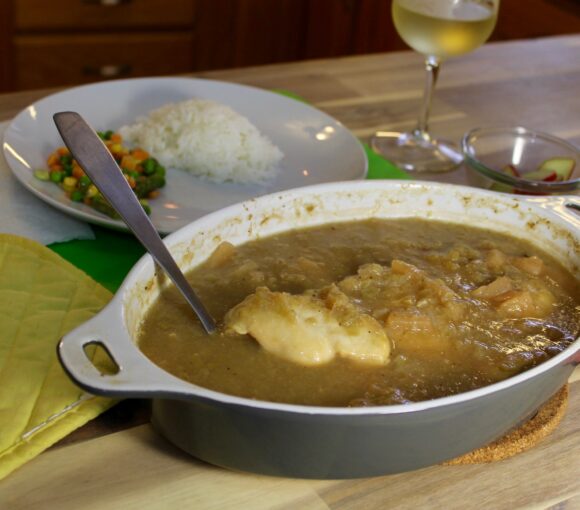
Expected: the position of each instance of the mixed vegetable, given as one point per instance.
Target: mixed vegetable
(143, 173)
(551, 170)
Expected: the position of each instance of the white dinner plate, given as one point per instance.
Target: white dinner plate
(316, 147)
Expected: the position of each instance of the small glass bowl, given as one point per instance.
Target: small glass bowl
(488, 151)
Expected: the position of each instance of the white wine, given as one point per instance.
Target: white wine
(443, 28)
(438, 29)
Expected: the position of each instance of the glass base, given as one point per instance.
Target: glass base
(417, 152)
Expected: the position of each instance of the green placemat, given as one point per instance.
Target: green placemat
(109, 257)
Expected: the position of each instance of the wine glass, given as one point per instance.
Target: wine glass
(438, 29)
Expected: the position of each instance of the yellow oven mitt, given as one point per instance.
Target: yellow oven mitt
(42, 297)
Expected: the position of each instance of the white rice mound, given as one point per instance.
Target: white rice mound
(206, 139)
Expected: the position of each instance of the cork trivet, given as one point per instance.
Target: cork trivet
(521, 438)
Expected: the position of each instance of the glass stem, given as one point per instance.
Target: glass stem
(432, 68)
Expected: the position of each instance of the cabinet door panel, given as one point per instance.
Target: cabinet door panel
(236, 33)
(45, 61)
(346, 27)
(101, 14)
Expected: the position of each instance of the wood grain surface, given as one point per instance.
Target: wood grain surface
(119, 462)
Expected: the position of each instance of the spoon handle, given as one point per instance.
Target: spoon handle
(96, 160)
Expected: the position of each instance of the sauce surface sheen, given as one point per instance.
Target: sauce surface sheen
(485, 333)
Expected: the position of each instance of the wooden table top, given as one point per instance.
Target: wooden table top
(119, 462)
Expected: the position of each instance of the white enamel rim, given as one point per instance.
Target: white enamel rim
(112, 316)
(317, 147)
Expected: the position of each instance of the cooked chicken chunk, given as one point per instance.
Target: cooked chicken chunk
(312, 328)
(531, 299)
(532, 265)
(495, 290)
(404, 286)
(221, 255)
(414, 333)
(496, 259)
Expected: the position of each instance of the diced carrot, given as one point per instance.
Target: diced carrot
(140, 154)
(77, 172)
(116, 138)
(131, 181)
(87, 201)
(56, 168)
(128, 163)
(153, 194)
(62, 151)
(53, 158)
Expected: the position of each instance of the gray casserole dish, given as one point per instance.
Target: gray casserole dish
(321, 442)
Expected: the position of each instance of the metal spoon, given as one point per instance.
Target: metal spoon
(96, 160)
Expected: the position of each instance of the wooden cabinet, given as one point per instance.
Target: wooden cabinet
(346, 27)
(51, 60)
(46, 43)
(237, 33)
(76, 15)
(68, 42)
(536, 18)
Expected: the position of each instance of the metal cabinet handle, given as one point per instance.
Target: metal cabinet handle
(106, 3)
(108, 71)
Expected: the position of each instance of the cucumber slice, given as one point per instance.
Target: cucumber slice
(546, 175)
(42, 175)
(562, 166)
(500, 186)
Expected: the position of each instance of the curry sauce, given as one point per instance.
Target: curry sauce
(461, 308)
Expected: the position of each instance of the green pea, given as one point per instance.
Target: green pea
(77, 196)
(105, 135)
(85, 181)
(57, 176)
(149, 166)
(66, 159)
(145, 205)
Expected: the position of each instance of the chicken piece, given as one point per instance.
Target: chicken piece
(496, 259)
(309, 266)
(532, 299)
(532, 265)
(404, 268)
(494, 290)
(402, 285)
(221, 255)
(415, 333)
(310, 329)
(543, 298)
(516, 303)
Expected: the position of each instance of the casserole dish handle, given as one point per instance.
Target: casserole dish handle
(129, 372)
(573, 204)
(566, 206)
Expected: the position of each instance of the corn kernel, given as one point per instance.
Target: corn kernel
(69, 183)
(91, 191)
